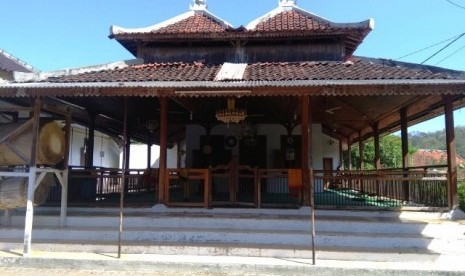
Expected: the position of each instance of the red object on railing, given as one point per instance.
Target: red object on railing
(294, 182)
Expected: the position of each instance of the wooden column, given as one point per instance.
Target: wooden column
(341, 159)
(163, 149)
(404, 139)
(123, 174)
(349, 152)
(149, 151)
(360, 151)
(90, 142)
(404, 136)
(305, 101)
(32, 180)
(451, 153)
(127, 148)
(377, 161)
(64, 185)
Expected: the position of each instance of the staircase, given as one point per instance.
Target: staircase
(340, 235)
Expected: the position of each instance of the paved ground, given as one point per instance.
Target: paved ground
(63, 263)
(9, 271)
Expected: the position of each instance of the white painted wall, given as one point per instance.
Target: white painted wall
(106, 150)
(138, 157)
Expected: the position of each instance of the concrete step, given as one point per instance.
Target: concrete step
(237, 231)
(323, 224)
(220, 235)
(229, 249)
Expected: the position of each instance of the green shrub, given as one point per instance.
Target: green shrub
(462, 196)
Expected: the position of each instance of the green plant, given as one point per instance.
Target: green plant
(462, 196)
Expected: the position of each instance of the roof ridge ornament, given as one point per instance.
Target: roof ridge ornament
(287, 3)
(199, 5)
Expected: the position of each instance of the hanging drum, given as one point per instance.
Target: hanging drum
(16, 150)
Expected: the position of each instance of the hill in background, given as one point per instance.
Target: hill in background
(437, 140)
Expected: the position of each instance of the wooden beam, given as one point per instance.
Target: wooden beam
(163, 150)
(20, 130)
(451, 152)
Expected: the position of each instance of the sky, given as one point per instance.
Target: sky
(56, 34)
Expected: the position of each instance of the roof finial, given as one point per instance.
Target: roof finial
(199, 5)
(287, 3)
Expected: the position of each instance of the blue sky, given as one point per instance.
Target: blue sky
(57, 34)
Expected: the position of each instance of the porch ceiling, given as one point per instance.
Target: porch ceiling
(342, 117)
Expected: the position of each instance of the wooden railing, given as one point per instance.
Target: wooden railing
(187, 187)
(389, 188)
(102, 187)
(246, 186)
(234, 185)
(274, 189)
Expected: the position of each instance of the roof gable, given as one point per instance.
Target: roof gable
(289, 17)
(11, 64)
(198, 20)
(197, 23)
(290, 21)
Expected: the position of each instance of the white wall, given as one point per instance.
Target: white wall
(106, 150)
(138, 156)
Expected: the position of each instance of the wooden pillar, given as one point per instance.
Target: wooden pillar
(349, 152)
(90, 142)
(163, 149)
(377, 161)
(305, 148)
(127, 148)
(341, 159)
(64, 185)
(32, 180)
(451, 152)
(123, 174)
(149, 151)
(360, 151)
(404, 139)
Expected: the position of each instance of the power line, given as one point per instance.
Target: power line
(426, 48)
(455, 4)
(443, 48)
(460, 49)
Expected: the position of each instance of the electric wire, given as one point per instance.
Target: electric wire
(443, 48)
(426, 48)
(455, 4)
(455, 52)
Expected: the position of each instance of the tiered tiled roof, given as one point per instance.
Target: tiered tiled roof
(291, 21)
(286, 71)
(197, 23)
(146, 72)
(288, 20)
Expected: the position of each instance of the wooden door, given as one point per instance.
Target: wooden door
(328, 171)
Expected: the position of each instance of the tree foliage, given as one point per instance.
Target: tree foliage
(390, 150)
(391, 147)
